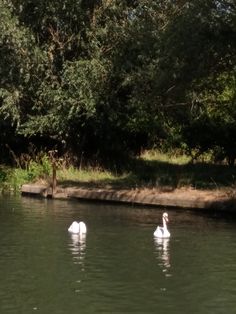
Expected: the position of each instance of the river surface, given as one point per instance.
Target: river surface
(118, 267)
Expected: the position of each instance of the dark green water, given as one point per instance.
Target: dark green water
(118, 268)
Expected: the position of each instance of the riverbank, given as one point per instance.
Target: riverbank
(220, 200)
(153, 179)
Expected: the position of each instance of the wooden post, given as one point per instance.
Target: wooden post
(54, 177)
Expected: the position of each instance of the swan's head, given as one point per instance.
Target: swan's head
(165, 216)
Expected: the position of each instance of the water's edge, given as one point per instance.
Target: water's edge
(184, 199)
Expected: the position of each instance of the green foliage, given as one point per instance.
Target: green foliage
(106, 79)
(16, 178)
(3, 176)
(38, 169)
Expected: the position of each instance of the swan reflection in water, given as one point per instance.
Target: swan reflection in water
(162, 247)
(77, 247)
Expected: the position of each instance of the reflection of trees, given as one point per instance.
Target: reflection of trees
(162, 247)
(77, 247)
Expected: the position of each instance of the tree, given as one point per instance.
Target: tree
(104, 78)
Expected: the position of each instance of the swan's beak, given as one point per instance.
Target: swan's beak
(166, 218)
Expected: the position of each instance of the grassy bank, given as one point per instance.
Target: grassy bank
(152, 170)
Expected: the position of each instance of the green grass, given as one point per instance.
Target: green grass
(155, 170)
(89, 176)
(11, 179)
(173, 157)
(151, 170)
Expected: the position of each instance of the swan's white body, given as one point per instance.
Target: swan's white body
(78, 227)
(162, 232)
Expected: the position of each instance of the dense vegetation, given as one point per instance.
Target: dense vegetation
(101, 79)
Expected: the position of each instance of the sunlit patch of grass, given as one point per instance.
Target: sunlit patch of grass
(96, 177)
(174, 157)
(84, 175)
(87, 175)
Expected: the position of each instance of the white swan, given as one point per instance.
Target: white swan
(78, 227)
(162, 232)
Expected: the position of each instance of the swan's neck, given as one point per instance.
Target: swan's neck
(164, 223)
